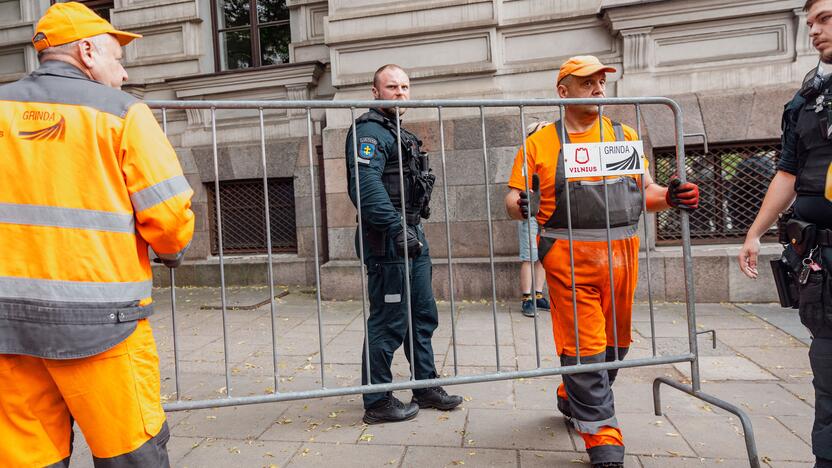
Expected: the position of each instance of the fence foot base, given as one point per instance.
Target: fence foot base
(750, 444)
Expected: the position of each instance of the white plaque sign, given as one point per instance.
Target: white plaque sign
(611, 158)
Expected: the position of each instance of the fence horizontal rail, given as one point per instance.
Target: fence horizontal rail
(182, 405)
(428, 103)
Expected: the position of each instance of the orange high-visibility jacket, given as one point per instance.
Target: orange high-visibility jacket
(88, 180)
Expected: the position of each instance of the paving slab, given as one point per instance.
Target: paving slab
(238, 422)
(784, 319)
(672, 329)
(712, 368)
(684, 462)
(232, 452)
(334, 420)
(762, 398)
(347, 456)
(647, 434)
(800, 426)
(516, 429)
(429, 428)
(777, 356)
(443, 457)
(722, 437)
(496, 395)
(804, 392)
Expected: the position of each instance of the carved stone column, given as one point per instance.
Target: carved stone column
(802, 43)
(638, 49)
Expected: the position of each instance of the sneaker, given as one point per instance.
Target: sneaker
(541, 302)
(436, 397)
(390, 410)
(527, 308)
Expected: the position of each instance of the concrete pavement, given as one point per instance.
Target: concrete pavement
(757, 364)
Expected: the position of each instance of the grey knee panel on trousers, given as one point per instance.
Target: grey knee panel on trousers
(153, 453)
(590, 397)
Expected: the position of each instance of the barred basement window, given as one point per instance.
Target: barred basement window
(732, 178)
(244, 217)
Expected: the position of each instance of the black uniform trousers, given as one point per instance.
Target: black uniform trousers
(820, 359)
(388, 326)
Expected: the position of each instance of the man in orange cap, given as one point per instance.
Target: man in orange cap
(89, 181)
(586, 398)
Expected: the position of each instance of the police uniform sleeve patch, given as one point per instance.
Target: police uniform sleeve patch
(366, 149)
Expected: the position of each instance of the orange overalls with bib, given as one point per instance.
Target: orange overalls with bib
(586, 398)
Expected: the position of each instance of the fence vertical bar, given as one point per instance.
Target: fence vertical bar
(609, 239)
(310, 150)
(361, 245)
(268, 245)
(219, 245)
(647, 241)
(531, 238)
(172, 291)
(490, 237)
(448, 236)
(696, 383)
(563, 140)
(406, 259)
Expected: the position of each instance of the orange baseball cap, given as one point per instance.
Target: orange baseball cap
(67, 22)
(583, 65)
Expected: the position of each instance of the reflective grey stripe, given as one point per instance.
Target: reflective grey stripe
(37, 215)
(616, 233)
(392, 298)
(592, 427)
(73, 291)
(155, 194)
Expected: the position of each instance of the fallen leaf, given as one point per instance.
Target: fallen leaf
(366, 437)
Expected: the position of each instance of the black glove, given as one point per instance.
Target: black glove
(682, 196)
(414, 247)
(523, 203)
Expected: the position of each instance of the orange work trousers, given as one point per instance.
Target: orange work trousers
(114, 397)
(596, 329)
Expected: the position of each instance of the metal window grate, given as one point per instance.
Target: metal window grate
(244, 219)
(733, 180)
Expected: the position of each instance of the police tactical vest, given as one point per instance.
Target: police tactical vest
(815, 150)
(418, 182)
(586, 200)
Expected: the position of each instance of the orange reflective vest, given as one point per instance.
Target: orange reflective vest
(88, 181)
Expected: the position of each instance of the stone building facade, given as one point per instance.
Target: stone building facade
(730, 65)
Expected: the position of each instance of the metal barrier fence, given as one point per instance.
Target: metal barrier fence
(692, 356)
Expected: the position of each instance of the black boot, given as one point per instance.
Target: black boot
(609, 465)
(435, 397)
(390, 410)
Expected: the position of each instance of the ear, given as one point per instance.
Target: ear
(375, 92)
(85, 52)
(562, 91)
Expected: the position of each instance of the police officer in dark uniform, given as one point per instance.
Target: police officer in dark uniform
(800, 183)
(386, 243)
